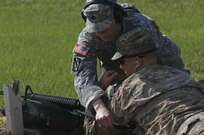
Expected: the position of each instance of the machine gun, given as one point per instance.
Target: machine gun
(66, 103)
(70, 104)
(41, 113)
(45, 111)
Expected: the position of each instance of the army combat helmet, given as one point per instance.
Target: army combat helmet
(99, 14)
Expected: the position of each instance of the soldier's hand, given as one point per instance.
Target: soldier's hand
(107, 79)
(103, 115)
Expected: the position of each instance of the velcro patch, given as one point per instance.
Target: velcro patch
(76, 64)
(81, 49)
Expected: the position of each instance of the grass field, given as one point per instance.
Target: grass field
(37, 37)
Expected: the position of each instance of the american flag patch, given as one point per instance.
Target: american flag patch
(81, 49)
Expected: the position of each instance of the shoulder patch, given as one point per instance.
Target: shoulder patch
(80, 49)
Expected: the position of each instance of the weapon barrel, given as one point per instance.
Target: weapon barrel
(67, 103)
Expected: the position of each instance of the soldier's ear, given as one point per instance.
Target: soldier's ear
(138, 62)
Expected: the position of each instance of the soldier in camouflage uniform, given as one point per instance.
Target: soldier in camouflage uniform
(157, 99)
(105, 21)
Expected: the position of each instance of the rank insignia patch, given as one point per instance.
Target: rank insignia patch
(81, 49)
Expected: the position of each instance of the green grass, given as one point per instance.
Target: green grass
(36, 40)
(37, 37)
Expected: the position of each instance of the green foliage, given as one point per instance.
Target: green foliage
(37, 38)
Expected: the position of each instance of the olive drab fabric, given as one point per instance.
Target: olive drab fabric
(201, 82)
(46, 118)
(161, 100)
(136, 39)
(84, 67)
(46, 114)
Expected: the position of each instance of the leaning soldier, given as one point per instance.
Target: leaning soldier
(105, 21)
(156, 99)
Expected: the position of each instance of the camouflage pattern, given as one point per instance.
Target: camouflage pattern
(194, 125)
(84, 68)
(136, 39)
(160, 100)
(99, 17)
(93, 128)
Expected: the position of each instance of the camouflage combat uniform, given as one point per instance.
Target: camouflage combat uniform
(160, 100)
(84, 65)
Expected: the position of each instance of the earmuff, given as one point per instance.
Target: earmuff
(118, 10)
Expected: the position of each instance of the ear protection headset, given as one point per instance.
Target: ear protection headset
(118, 10)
